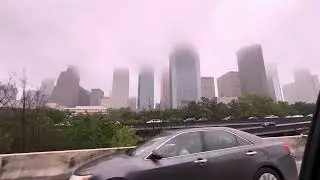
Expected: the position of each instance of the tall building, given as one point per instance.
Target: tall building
(252, 72)
(33, 99)
(229, 85)
(305, 87)
(185, 81)
(133, 103)
(165, 91)
(273, 82)
(289, 93)
(66, 91)
(83, 97)
(146, 89)
(47, 87)
(207, 87)
(120, 88)
(316, 83)
(96, 96)
(106, 102)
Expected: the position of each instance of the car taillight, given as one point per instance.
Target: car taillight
(287, 148)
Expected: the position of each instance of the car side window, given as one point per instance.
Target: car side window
(218, 139)
(183, 144)
(242, 142)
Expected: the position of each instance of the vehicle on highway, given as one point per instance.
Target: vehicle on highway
(309, 115)
(227, 118)
(217, 153)
(271, 117)
(297, 116)
(268, 124)
(202, 119)
(252, 117)
(294, 116)
(190, 120)
(154, 121)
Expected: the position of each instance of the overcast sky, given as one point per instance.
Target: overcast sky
(45, 36)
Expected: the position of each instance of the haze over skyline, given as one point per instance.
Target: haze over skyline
(44, 37)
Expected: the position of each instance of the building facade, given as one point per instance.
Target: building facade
(229, 85)
(106, 102)
(316, 83)
(165, 91)
(252, 71)
(47, 87)
(120, 88)
(133, 103)
(207, 87)
(66, 91)
(95, 97)
(146, 89)
(289, 93)
(273, 82)
(185, 81)
(305, 86)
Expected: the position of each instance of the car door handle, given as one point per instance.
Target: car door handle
(200, 161)
(251, 153)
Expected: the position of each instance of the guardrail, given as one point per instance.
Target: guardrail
(260, 131)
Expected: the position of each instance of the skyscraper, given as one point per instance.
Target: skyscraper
(165, 91)
(96, 96)
(252, 72)
(207, 87)
(305, 87)
(83, 97)
(229, 85)
(120, 88)
(185, 82)
(316, 83)
(289, 93)
(106, 102)
(273, 82)
(66, 91)
(47, 87)
(146, 89)
(133, 103)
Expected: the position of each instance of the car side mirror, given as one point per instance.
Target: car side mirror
(155, 156)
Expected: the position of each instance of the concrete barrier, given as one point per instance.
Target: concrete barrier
(59, 164)
(48, 165)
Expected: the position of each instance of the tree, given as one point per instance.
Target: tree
(304, 108)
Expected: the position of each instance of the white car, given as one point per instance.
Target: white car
(227, 118)
(154, 121)
(309, 115)
(252, 117)
(271, 117)
(288, 116)
(297, 116)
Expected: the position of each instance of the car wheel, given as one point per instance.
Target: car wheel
(267, 174)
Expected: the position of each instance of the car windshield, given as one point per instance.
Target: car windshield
(96, 76)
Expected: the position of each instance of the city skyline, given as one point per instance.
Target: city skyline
(85, 93)
(114, 34)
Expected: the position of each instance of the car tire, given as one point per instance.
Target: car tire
(267, 174)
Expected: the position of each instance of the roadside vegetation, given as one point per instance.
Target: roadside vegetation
(37, 128)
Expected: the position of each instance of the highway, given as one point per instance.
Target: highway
(282, 127)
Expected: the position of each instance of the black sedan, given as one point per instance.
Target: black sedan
(216, 153)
